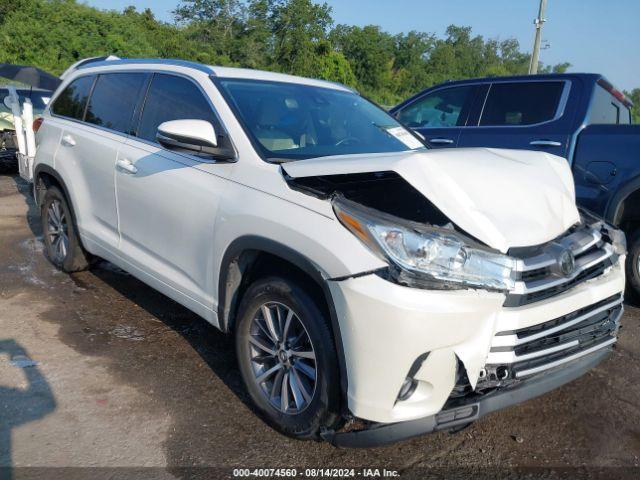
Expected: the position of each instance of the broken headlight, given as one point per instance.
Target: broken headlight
(426, 256)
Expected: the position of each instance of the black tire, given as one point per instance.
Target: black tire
(632, 270)
(75, 257)
(321, 410)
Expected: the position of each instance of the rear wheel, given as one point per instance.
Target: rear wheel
(61, 240)
(287, 358)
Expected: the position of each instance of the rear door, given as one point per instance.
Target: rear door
(438, 114)
(89, 148)
(528, 115)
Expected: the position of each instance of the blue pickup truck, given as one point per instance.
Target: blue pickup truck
(581, 117)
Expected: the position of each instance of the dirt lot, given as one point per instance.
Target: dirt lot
(127, 378)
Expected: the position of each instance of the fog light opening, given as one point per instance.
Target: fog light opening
(408, 387)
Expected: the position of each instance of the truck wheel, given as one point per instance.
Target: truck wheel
(633, 266)
(287, 358)
(61, 240)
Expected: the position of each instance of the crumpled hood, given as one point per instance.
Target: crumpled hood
(504, 198)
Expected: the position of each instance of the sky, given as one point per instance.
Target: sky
(593, 35)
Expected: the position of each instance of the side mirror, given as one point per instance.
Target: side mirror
(194, 136)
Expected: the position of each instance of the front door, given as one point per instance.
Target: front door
(168, 201)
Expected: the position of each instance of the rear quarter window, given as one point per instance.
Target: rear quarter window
(72, 101)
(607, 110)
(521, 103)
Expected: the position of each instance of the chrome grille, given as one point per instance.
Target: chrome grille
(539, 273)
(524, 352)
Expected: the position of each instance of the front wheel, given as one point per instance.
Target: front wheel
(287, 358)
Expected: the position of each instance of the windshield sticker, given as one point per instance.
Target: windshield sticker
(405, 137)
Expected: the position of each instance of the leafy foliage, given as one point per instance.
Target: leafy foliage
(634, 95)
(292, 36)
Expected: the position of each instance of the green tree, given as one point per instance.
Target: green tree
(291, 36)
(369, 50)
(299, 29)
(634, 96)
(331, 65)
(216, 23)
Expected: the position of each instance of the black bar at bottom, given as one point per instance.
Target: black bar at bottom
(383, 434)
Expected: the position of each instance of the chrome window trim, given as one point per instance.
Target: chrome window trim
(443, 87)
(562, 104)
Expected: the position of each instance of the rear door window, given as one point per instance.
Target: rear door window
(114, 99)
(521, 103)
(172, 98)
(442, 108)
(72, 101)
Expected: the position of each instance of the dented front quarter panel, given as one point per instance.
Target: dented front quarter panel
(385, 327)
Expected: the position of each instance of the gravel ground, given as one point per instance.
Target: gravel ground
(99, 370)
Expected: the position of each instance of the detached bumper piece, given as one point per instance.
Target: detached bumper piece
(467, 410)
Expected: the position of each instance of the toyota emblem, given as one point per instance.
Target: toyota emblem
(567, 262)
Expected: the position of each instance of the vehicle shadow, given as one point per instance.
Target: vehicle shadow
(33, 214)
(20, 405)
(215, 348)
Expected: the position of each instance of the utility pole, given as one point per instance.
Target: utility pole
(538, 22)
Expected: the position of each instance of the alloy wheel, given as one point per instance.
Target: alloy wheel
(57, 231)
(282, 358)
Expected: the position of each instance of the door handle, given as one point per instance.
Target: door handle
(545, 143)
(441, 140)
(126, 165)
(68, 141)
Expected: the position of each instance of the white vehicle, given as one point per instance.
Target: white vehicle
(364, 276)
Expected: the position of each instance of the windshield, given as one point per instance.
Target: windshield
(288, 121)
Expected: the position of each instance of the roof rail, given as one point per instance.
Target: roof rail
(87, 61)
(153, 61)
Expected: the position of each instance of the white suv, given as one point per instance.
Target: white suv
(376, 290)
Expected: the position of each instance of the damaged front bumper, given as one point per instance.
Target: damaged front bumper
(464, 412)
(452, 343)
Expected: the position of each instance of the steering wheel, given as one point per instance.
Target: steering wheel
(347, 140)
